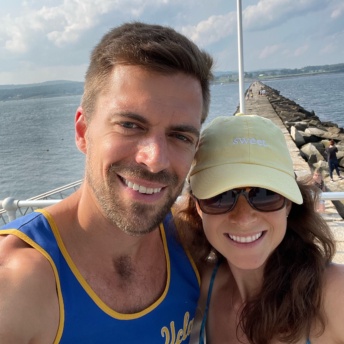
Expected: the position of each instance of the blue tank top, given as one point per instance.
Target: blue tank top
(84, 318)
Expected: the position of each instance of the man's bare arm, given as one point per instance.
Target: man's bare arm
(28, 301)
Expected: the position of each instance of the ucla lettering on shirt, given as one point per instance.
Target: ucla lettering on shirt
(173, 337)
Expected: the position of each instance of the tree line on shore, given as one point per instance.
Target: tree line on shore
(226, 77)
(42, 90)
(60, 88)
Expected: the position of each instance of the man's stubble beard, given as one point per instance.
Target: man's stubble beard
(136, 218)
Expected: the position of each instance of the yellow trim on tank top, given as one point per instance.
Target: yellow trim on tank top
(30, 242)
(90, 291)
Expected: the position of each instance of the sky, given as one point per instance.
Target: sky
(44, 40)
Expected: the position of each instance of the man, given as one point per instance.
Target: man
(105, 265)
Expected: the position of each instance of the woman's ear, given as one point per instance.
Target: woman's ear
(288, 207)
(199, 211)
(80, 130)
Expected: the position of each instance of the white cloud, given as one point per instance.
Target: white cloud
(301, 50)
(332, 45)
(268, 51)
(40, 37)
(212, 29)
(269, 13)
(72, 18)
(63, 23)
(328, 49)
(338, 11)
(16, 44)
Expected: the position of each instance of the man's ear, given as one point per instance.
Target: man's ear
(80, 130)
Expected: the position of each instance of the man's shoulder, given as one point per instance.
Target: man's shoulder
(22, 268)
(27, 285)
(30, 219)
(17, 251)
(17, 254)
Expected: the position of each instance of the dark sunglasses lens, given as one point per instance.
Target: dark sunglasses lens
(266, 200)
(218, 204)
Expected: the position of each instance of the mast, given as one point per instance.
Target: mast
(240, 59)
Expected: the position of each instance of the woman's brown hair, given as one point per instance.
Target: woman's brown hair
(290, 300)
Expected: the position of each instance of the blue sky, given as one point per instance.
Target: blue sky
(42, 40)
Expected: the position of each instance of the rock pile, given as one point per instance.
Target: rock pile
(311, 136)
(309, 133)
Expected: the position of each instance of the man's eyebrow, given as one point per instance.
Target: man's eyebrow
(184, 128)
(133, 116)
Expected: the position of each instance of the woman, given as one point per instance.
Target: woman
(332, 160)
(273, 280)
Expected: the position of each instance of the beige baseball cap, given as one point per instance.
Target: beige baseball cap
(239, 151)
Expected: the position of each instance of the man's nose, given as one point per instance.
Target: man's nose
(153, 154)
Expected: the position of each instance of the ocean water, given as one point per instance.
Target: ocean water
(37, 148)
(322, 93)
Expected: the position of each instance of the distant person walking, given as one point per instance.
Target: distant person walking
(332, 160)
(318, 181)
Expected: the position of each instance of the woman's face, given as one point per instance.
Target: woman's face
(244, 236)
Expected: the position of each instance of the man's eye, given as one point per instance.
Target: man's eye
(129, 125)
(183, 137)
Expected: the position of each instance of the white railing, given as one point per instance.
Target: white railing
(332, 196)
(11, 205)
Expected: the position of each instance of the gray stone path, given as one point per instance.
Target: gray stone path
(260, 105)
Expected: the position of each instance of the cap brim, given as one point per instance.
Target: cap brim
(213, 181)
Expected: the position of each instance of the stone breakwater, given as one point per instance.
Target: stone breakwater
(310, 135)
(286, 114)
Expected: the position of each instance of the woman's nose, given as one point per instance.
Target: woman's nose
(242, 211)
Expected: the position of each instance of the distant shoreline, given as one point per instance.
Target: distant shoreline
(43, 90)
(299, 75)
(63, 88)
(276, 77)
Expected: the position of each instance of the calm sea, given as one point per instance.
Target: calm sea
(37, 146)
(322, 93)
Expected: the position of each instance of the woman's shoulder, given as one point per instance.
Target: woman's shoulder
(333, 273)
(334, 278)
(334, 299)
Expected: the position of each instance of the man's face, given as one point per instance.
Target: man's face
(140, 143)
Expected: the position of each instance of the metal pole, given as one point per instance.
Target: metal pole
(240, 59)
(11, 205)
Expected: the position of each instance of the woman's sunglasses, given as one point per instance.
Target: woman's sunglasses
(258, 198)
